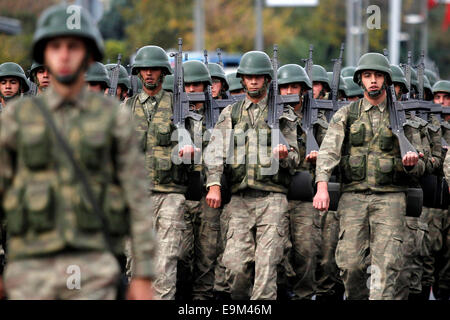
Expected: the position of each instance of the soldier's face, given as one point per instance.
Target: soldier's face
(253, 82)
(43, 77)
(372, 80)
(216, 87)
(290, 88)
(442, 98)
(397, 88)
(95, 87)
(9, 86)
(317, 88)
(64, 56)
(191, 87)
(150, 75)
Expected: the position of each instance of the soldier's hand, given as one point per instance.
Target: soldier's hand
(410, 159)
(188, 152)
(281, 152)
(214, 198)
(140, 289)
(312, 156)
(321, 200)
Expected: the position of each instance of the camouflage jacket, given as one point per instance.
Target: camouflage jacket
(154, 126)
(447, 168)
(370, 158)
(251, 150)
(45, 205)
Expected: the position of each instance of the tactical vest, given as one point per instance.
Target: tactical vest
(370, 160)
(155, 129)
(243, 173)
(46, 206)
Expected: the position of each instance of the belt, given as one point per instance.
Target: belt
(253, 193)
(366, 192)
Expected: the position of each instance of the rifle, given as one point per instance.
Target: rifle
(420, 74)
(181, 103)
(219, 56)
(336, 79)
(33, 89)
(114, 74)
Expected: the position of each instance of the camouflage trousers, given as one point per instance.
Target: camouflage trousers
(414, 248)
(305, 236)
(220, 281)
(434, 219)
(171, 228)
(255, 243)
(68, 275)
(329, 282)
(371, 233)
(441, 288)
(206, 251)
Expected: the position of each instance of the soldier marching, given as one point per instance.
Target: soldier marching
(202, 185)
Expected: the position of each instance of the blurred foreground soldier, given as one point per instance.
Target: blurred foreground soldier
(373, 201)
(235, 84)
(97, 78)
(304, 220)
(321, 83)
(58, 246)
(123, 85)
(256, 237)
(219, 81)
(153, 111)
(13, 82)
(40, 76)
(353, 91)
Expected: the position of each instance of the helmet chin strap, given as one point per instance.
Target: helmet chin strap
(71, 78)
(257, 93)
(152, 86)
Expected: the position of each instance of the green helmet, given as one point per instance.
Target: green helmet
(11, 69)
(168, 83)
(431, 76)
(342, 85)
(441, 86)
(348, 71)
(352, 89)
(255, 63)
(56, 21)
(151, 56)
(414, 81)
(97, 73)
(196, 71)
(319, 74)
(399, 77)
(427, 86)
(216, 70)
(373, 61)
(35, 66)
(291, 73)
(123, 75)
(234, 82)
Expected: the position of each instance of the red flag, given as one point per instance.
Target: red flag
(432, 4)
(446, 21)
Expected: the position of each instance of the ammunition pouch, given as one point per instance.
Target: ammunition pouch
(414, 202)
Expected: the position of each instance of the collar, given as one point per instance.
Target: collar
(143, 96)
(367, 105)
(55, 100)
(261, 104)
